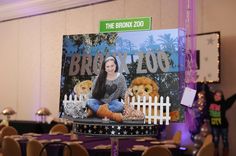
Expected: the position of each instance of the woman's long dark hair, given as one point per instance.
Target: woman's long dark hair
(100, 85)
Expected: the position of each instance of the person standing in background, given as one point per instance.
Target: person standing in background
(217, 107)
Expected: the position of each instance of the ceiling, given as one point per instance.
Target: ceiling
(15, 9)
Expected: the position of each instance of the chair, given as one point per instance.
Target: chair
(59, 145)
(157, 151)
(76, 149)
(177, 137)
(34, 147)
(207, 150)
(59, 128)
(10, 147)
(207, 140)
(2, 126)
(7, 131)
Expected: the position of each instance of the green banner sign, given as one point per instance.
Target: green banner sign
(127, 24)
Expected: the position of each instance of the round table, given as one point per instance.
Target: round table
(114, 130)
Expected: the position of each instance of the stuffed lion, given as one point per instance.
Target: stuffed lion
(139, 87)
(78, 109)
(144, 87)
(83, 87)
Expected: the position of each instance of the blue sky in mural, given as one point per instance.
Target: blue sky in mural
(128, 42)
(138, 38)
(86, 47)
(69, 46)
(146, 41)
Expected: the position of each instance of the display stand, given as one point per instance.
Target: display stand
(113, 130)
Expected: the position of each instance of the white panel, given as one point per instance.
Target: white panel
(53, 28)
(29, 68)
(106, 11)
(169, 14)
(79, 21)
(209, 57)
(8, 64)
(141, 8)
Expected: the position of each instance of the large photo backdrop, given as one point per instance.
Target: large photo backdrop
(153, 54)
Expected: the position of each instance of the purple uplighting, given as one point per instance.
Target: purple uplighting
(187, 46)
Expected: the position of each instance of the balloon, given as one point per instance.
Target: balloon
(198, 138)
(197, 145)
(194, 152)
(205, 128)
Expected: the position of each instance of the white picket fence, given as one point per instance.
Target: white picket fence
(153, 110)
(74, 99)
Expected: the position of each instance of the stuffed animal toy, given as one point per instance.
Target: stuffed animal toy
(129, 112)
(140, 87)
(77, 109)
(83, 88)
(144, 87)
